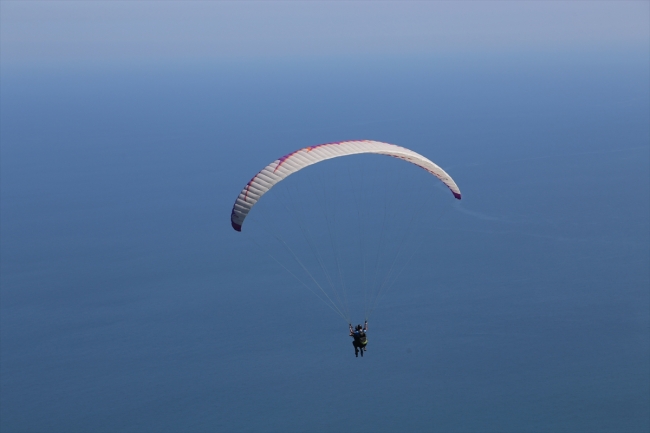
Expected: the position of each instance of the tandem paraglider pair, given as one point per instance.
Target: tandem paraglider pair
(360, 340)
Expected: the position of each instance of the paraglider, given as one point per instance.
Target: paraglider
(333, 289)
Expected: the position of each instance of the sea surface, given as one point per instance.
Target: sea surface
(128, 303)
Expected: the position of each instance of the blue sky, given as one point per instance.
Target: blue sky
(80, 32)
(128, 303)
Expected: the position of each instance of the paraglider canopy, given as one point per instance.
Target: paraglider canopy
(295, 161)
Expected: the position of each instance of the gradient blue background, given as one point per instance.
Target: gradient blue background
(129, 304)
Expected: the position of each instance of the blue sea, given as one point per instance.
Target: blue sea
(128, 303)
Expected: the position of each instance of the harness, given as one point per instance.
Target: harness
(360, 338)
(363, 340)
